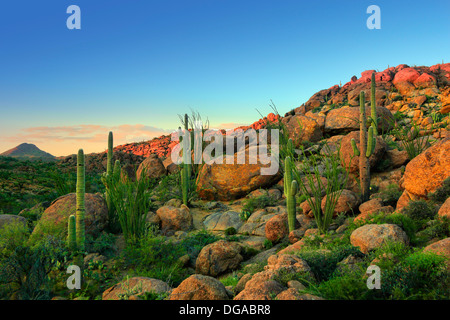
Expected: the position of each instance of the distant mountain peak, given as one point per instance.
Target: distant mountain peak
(28, 151)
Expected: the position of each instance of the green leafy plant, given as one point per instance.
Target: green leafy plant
(420, 210)
(310, 182)
(132, 202)
(260, 202)
(411, 140)
(442, 193)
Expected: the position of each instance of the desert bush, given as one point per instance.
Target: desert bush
(260, 202)
(442, 193)
(25, 268)
(323, 263)
(131, 202)
(419, 276)
(420, 210)
(390, 194)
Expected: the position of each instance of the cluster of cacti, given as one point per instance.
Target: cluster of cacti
(76, 238)
(186, 168)
(367, 141)
(290, 192)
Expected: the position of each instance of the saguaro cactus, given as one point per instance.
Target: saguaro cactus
(109, 172)
(366, 149)
(80, 208)
(290, 191)
(109, 164)
(373, 106)
(186, 168)
(72, 237)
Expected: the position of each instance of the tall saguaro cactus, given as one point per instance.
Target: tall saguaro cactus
(373, 106)
(109, 172)
(366, 148)
(109, 164)
(186, 168)
(80, 208)
(290, 191)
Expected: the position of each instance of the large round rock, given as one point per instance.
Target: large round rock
(57, 215)
(427, 172)
(200, 287)
(234, 180)
(373, 236)
(153, 167)
(218, 257)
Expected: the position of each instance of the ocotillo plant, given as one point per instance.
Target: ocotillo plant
(80, 208)
(72, 237)
(366, 149)
(290, 191)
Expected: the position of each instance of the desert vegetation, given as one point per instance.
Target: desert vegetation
(361, 183)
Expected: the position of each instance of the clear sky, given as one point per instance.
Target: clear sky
(135, 65)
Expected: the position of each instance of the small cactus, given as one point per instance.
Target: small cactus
(290, 192)
(80, 208)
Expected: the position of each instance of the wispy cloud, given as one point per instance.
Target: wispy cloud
(63, 140)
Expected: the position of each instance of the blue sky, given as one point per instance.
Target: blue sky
(135, 65)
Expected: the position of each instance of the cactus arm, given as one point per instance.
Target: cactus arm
(370, 142)
(292, 205)
(71, 234)
(355, 148)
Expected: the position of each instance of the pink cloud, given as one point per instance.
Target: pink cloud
(64, 140)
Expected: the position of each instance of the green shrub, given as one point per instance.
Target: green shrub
(194, 243)
(230, 280)
(131, 202)
(267, 244)
(350, 286)
(244, 215)
(390, 194)
(323, 263)
(434, 229)
(230, 231)
(420, 210)
(25, 268)
(251, 204)
(418, 276)
(155, 257)
(442, 193)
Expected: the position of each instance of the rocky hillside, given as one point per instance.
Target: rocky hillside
(242, 235)
(421, 94)
(28, 151)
